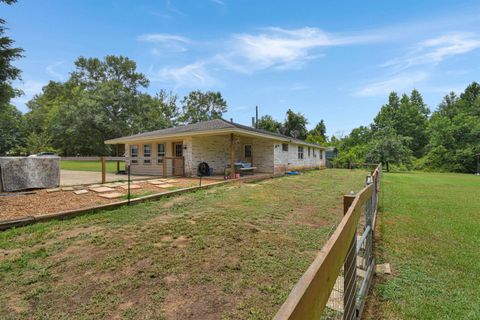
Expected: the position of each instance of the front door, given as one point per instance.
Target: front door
(178, 162)
(247, 153)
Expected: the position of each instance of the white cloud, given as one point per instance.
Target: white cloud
(50, 70)
(193, 75)
(163, 37)
(30, 88)
(170, 7)
(435, 50)
(400, 82)
(282, 48)
(164, 42)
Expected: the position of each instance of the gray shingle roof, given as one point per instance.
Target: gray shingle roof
(216, 124)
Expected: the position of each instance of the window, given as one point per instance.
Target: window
(300, 152)
(134, 153)
(314, 154)
(147, 153)
(309, 152)
(284, 146)
(160, 152)
(321, 154)
(248, 151)
(178, 150)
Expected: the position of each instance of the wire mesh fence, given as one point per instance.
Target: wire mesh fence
(347, 257)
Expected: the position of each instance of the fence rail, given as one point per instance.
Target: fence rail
(336, 284)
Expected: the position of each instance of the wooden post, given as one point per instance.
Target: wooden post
(232, 156)
(104, 165)
(116, 155)
(349, 269)
(164, 166)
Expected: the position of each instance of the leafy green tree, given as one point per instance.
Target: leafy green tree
(11, 128)
(198, 106)
(267, 123)
(295, 125)
(8, 72)
(455, 132)
(39, 142)
(318, 134)
(387, 147)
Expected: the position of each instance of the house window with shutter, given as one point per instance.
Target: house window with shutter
(284, 146)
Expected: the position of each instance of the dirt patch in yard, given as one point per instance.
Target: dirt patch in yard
(43, 202)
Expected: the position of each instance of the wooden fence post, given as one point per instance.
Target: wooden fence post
(349, 269)
(104, 169)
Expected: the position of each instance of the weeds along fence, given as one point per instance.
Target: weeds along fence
(336, 284)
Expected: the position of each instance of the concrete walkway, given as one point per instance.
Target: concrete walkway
(73, 177)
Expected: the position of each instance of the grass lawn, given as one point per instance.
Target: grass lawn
(430, 233)
(230, 252)
(91, 165)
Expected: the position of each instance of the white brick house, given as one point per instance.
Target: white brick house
(219, 143)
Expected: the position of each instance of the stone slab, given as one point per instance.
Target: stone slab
(21, 173)
(67, 189)
(102, 189)
(112, 195)
(383, 268)
(156, 182)
(132, 187)
(79, 192)
(171, 180)
(53, 190)
(165, 185)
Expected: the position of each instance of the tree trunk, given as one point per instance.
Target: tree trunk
(388, 168)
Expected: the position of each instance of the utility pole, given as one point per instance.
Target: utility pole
(256, 117)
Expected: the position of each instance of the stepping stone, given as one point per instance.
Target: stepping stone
(67, 189)
(94, 185)
(165, 185)
(156, 182)
(110, 185)
(53, 190)
(102, 189)
(112, 195)
(132, 186)
(79, 192)
(171, 180)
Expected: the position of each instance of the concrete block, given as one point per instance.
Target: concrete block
(21, 173)
(383, 268)
(79, 192)
(53, 190)
(67, 189)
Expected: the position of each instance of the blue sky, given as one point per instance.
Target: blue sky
(330, 60)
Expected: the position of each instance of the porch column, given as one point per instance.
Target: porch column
(232, 156)
(116, 155)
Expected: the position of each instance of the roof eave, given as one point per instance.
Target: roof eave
(211, 132)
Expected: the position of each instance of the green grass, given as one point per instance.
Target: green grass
(230, 252)
(430, 233)
(91, 165)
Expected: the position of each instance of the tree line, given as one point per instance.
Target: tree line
(407, 134)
